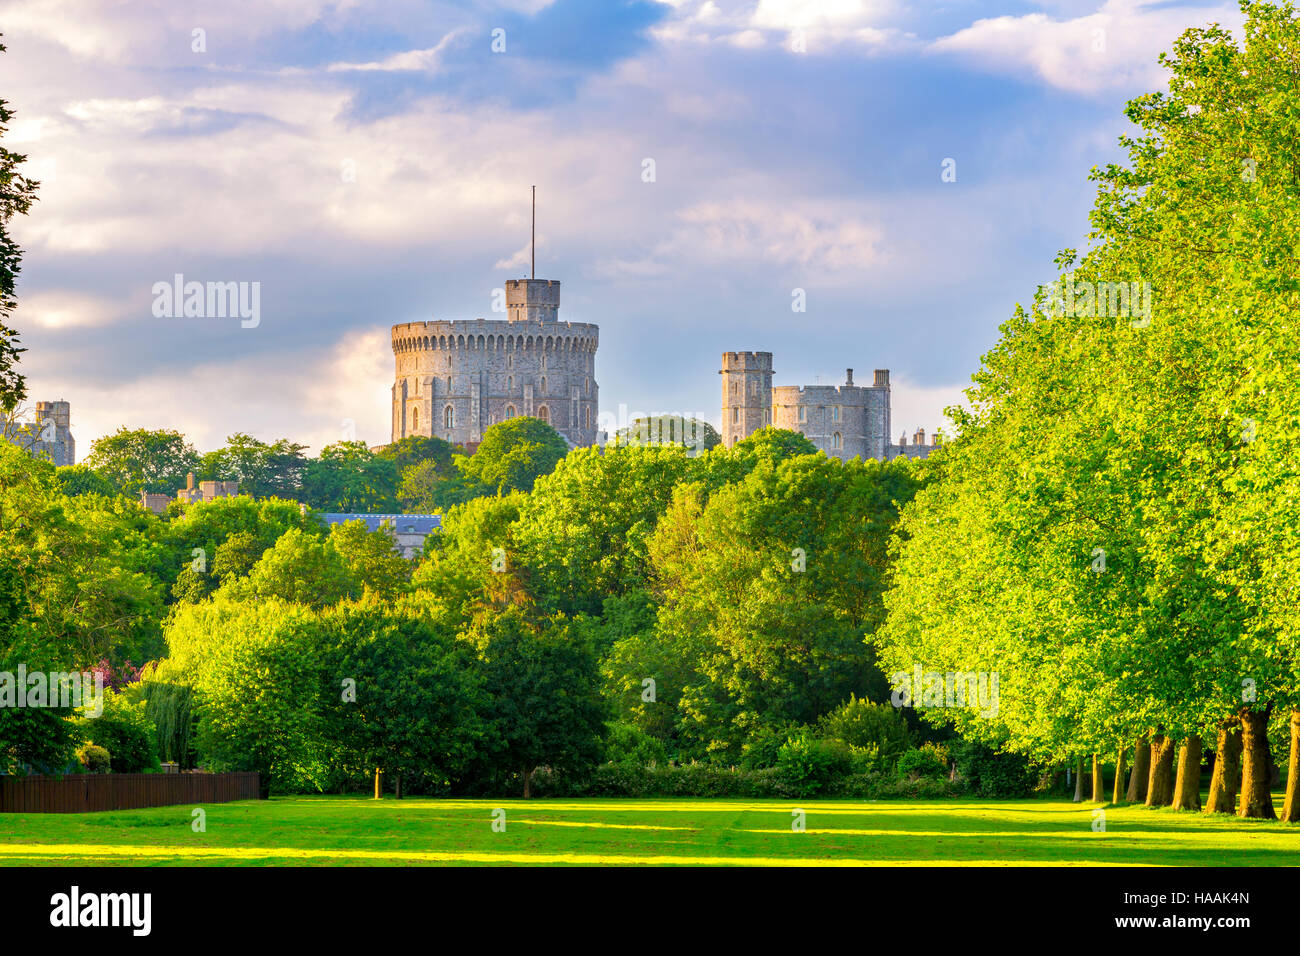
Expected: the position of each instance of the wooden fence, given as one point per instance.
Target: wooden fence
(88, 792)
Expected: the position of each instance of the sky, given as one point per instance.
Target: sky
(696, 163)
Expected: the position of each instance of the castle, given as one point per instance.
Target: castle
(845, 421)
(456, 378)
(49, 436)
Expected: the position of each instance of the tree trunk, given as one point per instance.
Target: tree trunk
(1078, 780)
(399, 786)
(379, 787)
(1098, 784)
(1227, 769)
(528, 783)
(1160, 786)
(1291, 806)
(1256, 800)
(1141, 772)
(1187, 789)
(1117, 795)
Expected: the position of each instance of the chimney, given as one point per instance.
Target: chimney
(919, 437)
(882, 378)
(848, 377)
(189, 481)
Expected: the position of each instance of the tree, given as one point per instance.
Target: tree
(83, 480)
(262, 470)
(426, 488)
(693, 434)
(773, 585)
(372, 557)
(405, 701)
(300, 569)
(351, 479)
(17, 193)
(142, 460)
(513, 454)
(418, 449)
(583, 531)
(542, 689)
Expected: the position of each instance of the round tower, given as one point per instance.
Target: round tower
(746, 394)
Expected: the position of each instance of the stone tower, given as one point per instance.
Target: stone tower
(746, 394)
(455, 379)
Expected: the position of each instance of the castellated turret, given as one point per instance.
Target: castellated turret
(454, 379)
(746, 394)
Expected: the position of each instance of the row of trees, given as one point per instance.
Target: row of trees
(415, 474)
(1115, 532)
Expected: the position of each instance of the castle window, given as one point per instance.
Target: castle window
(510, 383)
(586, 386)
(449, 417)
(803, 414)
(544, 413)
(415, 419)
(510, 411)
(836, 441)
(735, 415)
(510, 361)
(543, 380)
(587, 416)
(835, 413)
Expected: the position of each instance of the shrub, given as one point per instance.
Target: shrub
(928, 760)
(125, 731)
(863, 725)
(809, 765)
(94, 758)
(993, 774)
(629, 744)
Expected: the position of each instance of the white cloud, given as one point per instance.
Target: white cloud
(64, 309)
(1113, 48)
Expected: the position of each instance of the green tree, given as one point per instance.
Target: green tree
(17, 193)
(542, 689)
(262, 470)
(83, 480)
(299, 569)
(350, 479)
(372, 557)
(513, 454)
(142, 460)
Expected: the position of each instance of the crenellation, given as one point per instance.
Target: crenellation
(455, 378)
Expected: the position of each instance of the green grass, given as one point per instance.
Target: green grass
(334, 831)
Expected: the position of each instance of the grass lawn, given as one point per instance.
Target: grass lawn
(357, 831)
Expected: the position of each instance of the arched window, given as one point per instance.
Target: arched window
(510, 383)
(415, 419)
(544, 413)
(587, 416)
(449, 417)
(510, 411)
(836, 442)
(543, 384)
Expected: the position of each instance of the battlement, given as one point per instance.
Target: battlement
(532, 300)
(819, 395)
(493, 334)
(746, 361)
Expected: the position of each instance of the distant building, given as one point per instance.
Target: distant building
(409, 530)
(845, 421)
(917, 449)
(205, 491)
(48, 437)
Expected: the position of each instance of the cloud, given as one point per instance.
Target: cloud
(1114, 48)
(60, 309)
(313, 400)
